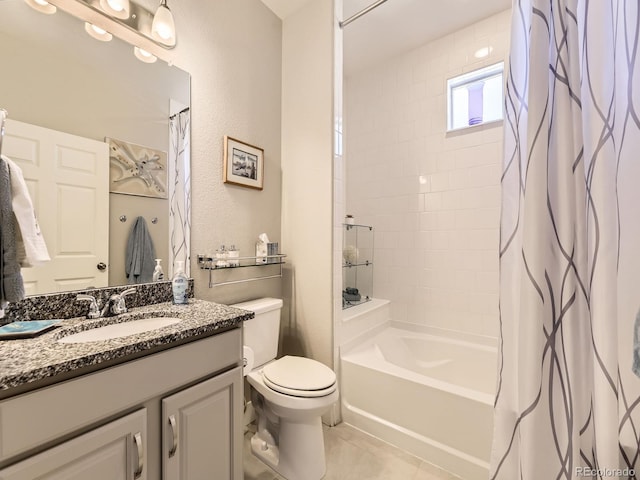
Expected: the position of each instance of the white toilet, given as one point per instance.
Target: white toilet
(289, 395)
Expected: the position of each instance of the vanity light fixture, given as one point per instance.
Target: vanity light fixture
(97, 32)
(42, 6)
(116, 8)
(152, 34)
(144, 56)
(163, 28)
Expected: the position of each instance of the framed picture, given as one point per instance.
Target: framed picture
(243, 164)
(137, 170)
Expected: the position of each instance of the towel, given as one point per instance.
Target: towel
(11, 283)
(636, 346)
(351, 294)
(31, 248)
(140, 255)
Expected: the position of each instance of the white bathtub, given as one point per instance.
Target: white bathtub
(431, 395)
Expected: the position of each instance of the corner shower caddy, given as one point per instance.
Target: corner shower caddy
(357, 262)
(209, 263)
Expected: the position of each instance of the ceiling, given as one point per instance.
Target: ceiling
(397, 26)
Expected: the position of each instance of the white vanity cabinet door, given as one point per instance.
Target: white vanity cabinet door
(115, 451)
(202, 432)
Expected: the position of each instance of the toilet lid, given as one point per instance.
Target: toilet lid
(299, 376)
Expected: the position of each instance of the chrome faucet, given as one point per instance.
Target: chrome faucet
(116, 304)
(94, 308)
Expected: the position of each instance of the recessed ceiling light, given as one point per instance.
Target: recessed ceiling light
(483, 52)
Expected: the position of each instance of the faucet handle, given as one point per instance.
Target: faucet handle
(128, 291)
(94, 308)
(119, 305)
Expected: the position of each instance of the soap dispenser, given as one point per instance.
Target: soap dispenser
(158, 274)
(180, 284)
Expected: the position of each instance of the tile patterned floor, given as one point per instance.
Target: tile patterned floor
(355, 455)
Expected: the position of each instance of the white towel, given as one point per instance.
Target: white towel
(31, 248)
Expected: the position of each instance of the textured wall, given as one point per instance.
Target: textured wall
(233, 51)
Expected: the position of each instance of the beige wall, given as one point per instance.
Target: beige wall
(307, 173)
(233, 51)
(247, 67)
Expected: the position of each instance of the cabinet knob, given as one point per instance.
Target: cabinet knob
(101, 266)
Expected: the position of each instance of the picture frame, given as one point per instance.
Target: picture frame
(137, 170)
(243, 164)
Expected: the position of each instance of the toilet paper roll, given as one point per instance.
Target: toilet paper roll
(248, 359)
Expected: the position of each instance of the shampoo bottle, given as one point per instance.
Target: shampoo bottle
(179, 284)
(158, 274)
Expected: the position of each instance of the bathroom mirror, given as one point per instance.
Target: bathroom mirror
(56, 76)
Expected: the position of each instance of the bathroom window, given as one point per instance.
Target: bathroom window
(475, 98)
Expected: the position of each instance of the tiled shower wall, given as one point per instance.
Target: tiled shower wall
(433, 197)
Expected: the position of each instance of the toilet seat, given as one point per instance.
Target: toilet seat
(300, 377)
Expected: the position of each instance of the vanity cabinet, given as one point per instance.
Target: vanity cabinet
(115, 423)
(198, 432)
(115, 451)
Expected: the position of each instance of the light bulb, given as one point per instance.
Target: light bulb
(163, 28)
(143, 55)
(42, 6)
(97, 32)
(116, 8)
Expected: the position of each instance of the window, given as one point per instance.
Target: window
(475, 97)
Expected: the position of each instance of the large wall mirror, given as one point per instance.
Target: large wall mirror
(57, 77)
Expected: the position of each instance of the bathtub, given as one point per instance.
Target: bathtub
(431, 395)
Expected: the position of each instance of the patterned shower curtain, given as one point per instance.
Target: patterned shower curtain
(180, 190)
(567, 402)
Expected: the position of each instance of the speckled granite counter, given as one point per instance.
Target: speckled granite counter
(40, 358)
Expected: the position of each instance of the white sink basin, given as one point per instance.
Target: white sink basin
(118, 330)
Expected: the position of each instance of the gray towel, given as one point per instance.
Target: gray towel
(140, 258)
(11, 283)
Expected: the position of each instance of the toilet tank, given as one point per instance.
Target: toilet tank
(262, 333)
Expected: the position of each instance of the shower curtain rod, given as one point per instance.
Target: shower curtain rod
(361, 13)
(171, 117)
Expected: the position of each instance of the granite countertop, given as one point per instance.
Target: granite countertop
(42, 357)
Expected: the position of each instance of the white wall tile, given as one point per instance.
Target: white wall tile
(432, 196)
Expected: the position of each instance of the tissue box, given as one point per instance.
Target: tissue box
(272, 249)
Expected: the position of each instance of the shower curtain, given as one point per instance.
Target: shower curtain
(179, 190)
(567, 402)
